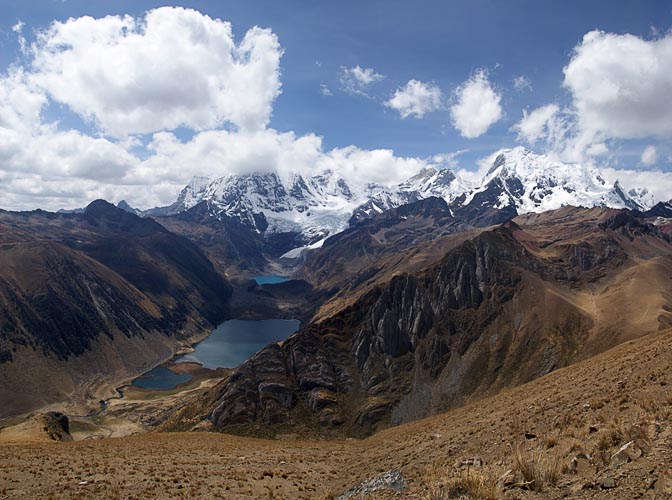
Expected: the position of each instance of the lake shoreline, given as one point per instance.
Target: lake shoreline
(228, 345)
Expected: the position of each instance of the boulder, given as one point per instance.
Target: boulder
(392, 480)
(56, 425)
(608, 483)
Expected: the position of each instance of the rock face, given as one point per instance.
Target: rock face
(95, 297)
(230, 244)
(502, 307)
(376, 246)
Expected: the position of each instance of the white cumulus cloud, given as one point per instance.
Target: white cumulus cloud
(173, 67)
(476, 106)
(137, 80)
(621, 85)
(416, 98)
(220, 152)
(537, 124)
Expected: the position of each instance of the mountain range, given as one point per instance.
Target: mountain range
(82, 290)
(297, 212)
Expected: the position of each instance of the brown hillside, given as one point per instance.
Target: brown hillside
(89, 300)
(590, 409)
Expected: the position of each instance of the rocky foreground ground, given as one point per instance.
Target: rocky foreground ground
(598, 429)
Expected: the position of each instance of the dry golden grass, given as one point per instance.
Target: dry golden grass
(538, 468)
(474, 484)
(608, 439)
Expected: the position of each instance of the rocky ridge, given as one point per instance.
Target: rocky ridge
(504, 307)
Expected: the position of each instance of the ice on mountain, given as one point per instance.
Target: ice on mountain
(325, 203)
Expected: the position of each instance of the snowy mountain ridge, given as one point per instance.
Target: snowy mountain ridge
(533, 183)
(324, 204)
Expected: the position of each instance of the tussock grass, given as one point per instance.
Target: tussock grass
(609, 439)
(538, 468)
(471, 484)
(551, 442)
(474, 486)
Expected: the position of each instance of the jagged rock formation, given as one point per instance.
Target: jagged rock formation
(500, 308)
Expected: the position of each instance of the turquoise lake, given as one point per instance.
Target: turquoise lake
(229, 345)
(271, 279)
(235, 341)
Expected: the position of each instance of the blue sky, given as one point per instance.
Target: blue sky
(442, 44)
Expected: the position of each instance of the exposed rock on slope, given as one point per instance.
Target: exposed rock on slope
(502, 308)
(352, 256)
(89, 299)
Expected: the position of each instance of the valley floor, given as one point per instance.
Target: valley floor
(560, 434)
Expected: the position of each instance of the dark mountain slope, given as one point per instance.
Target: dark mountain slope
(403, 239)
(231, 244)
(89, 299)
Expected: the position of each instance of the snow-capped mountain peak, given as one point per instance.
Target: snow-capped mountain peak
(530, 182)
(313, 207)
(192, 192)
(431, 181)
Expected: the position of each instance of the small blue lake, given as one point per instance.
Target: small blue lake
(235, 341)
(161, 379)
(229, 345)
(271, 279)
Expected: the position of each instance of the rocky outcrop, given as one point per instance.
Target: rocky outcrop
(313, 367)
(56, 425)
(500, 309)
